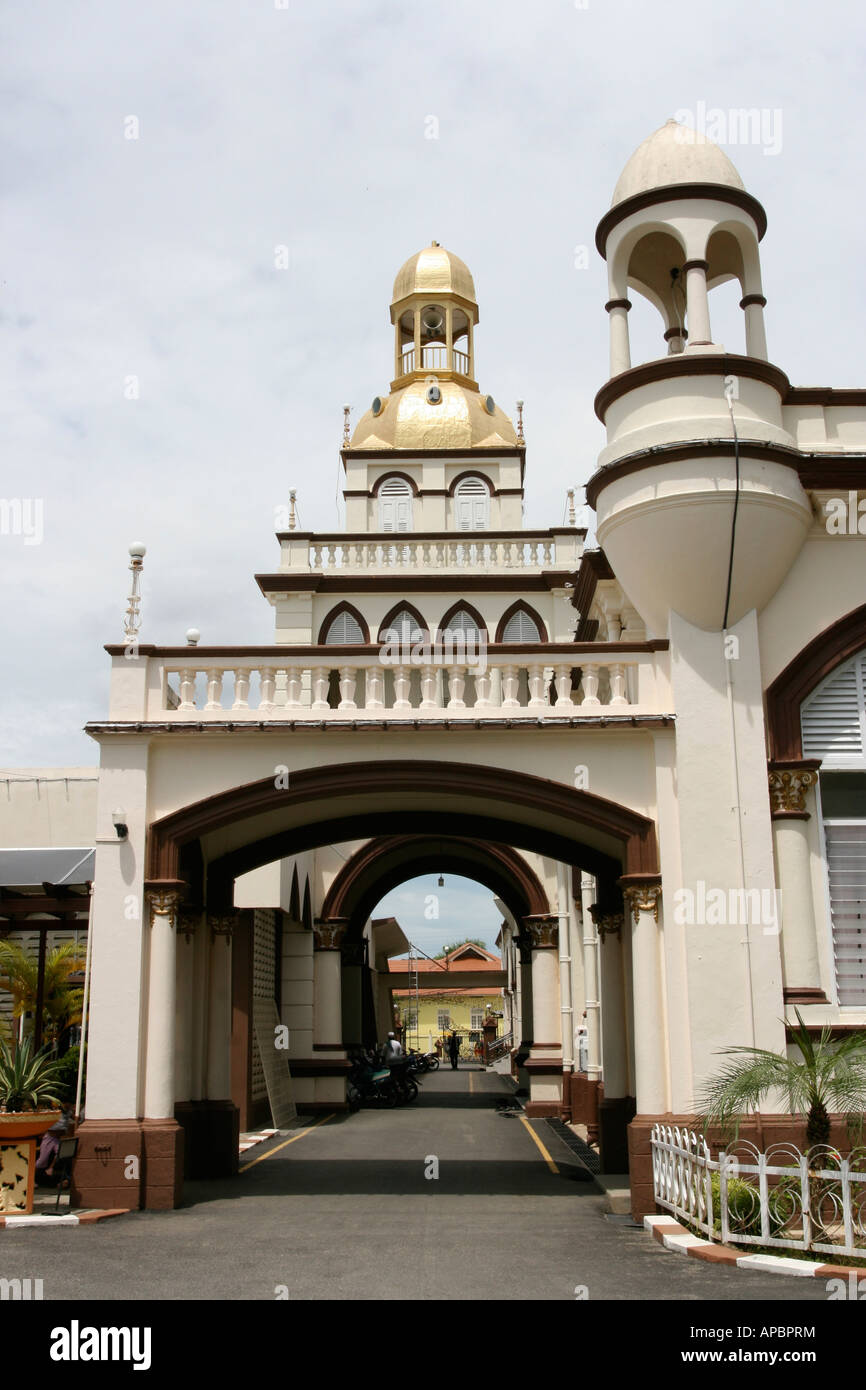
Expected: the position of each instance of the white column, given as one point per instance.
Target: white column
(219, 1014)
(546, 1031)
(163, 905)
(789, 786)
(327, 984)
(614, 1038)
(642, 907)
(590, 982)
(184, 1028)
(566, 1007)
(697, 303)
(753, 306)
(620, 350)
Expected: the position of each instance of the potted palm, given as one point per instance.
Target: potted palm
(31, 1092)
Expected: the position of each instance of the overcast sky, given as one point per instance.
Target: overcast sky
(306, 127)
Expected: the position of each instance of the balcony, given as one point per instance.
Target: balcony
(429, 552)
(602, 682)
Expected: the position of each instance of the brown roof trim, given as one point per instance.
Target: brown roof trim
(671, 192)
(688, 449)
(833, 646)
(524, 534)
(836, 471)
(294, 652)
(690, 364)
(476, 451)
(594, 565)
(826, 395)
(499, 787)
(413, 583)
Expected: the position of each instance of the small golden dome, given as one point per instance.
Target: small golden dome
(434, 270)
(459, 420)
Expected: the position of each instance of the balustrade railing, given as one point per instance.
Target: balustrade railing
(329, 553)
(445, 683)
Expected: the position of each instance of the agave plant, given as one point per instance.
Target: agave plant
(29, 1081)
(828, 1076)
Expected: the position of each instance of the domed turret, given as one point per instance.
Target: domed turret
(674, 154)
(434, 269)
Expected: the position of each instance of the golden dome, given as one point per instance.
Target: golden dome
(435, 270)
(460, 420)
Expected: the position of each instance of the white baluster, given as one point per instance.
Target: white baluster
(187, 688)
(321, 682)
(563, 687)
(428, 687)
(510, 687)
(617, 685)
(402, 677)
(537, 692)
(348, 681)
(293, 687)
(214, 689)
(548, 552)
(482, 689)
(590, 686)
(440, 556)
(242, 689)
(375, 686)
(317, 557)
(456, 687)
(269, 685)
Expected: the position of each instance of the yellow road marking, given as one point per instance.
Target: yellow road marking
(295, 1137)
(472, 1082)
(535, 1139)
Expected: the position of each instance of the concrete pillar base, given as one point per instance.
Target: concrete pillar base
(584, 1103)
(614, 1115)
(136, 1164)
(544, 1069)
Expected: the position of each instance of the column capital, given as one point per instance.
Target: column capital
(618, 304)
(696, 264)
(607, 923)
(163, 898)
(223, 923)
(188, 919)
(789, 782)
(542, 930)
(354, 952)
(641, 893)
(328, 933)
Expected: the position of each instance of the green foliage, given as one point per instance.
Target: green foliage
(61, 1002)
(28, 1081)
(828, 1076)
(744, 1205)
(68, 1073)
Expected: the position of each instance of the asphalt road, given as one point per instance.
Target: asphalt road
(346, 1210)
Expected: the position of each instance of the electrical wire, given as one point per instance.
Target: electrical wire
(729, 393)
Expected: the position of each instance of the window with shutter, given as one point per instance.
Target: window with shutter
(521, 628)
(395, 505)
(344, 629)
(405, 624)
(833, 723)
(461, 621)
(472, 504)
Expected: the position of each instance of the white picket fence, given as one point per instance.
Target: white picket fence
(813, 1200)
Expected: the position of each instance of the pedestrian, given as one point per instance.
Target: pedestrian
(392, 1048)
(454, 1050)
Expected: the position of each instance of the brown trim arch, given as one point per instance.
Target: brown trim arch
(520, 606)
(387, 861)
(631, 836)
(343, 607)
(386, 478)
(402, 607)
(836, 644)
(462, 605)
(471, 473)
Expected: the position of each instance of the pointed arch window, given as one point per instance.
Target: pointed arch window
(463, 620)
(395, 505)
(472, 504)
(344, 629)
(521, 627)
(406, 624)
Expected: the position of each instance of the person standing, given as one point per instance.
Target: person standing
(454, 1050)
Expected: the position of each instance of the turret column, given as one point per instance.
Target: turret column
(620, 351)
(753, 306)
(697, 303)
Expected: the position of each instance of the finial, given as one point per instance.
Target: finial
(520, 438)
(572, 516)
(346, 410)
(293, 517)
(193, 636)
(132, 620)
(434, 243)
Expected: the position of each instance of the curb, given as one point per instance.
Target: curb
(673, 1236)
(69, 1219)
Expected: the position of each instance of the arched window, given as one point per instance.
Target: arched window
(406, 623)
(472, 504)
(833, 724)
(463, 620)
(344, 629)
(395, 505)
(521, 627)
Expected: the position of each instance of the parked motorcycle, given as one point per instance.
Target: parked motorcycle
(372, 1082)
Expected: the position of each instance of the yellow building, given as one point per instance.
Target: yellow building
(428, 1013)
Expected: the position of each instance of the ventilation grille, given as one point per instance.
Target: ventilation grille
(521, 628)
(264, 965)
(846, 865)
(345, 628)
(833, 719)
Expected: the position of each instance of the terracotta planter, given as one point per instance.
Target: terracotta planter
(19, 1133)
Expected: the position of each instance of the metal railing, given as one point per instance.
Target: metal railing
(782, 1197)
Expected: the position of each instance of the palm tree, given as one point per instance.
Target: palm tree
(828, 1076)
(61, 1002)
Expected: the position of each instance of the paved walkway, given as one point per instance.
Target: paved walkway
(344, 1210)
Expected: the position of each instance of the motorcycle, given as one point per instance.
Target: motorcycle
(369, 1080)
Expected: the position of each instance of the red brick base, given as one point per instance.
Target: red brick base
(132, 1164)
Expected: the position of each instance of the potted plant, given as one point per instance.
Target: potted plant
(31, 1092)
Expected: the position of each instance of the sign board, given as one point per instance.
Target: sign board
(275, 1063)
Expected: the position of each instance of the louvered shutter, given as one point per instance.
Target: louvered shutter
(344, 629)
(461, 621)
(521, 628)
(834, 717)
(846, 868)
(405, 624)
(395, 505)
(472, 499)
